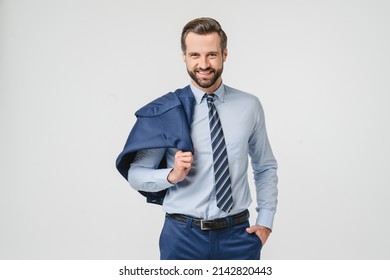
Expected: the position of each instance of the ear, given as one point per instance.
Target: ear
(183, 56)
(224, 55)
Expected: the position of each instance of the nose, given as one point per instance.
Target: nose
(204, 63)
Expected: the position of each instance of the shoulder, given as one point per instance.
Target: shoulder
(240, 97)
(164, 103)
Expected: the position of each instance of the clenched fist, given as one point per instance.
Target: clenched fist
(183, 162)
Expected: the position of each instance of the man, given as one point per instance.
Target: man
(203, 185)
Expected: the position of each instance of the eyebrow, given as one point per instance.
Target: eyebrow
(196, 53)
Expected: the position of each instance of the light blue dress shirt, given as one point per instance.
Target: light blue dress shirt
(243, 124)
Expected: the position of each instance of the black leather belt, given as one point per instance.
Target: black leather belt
(212, 224)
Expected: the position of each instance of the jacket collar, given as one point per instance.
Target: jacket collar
(187, 99)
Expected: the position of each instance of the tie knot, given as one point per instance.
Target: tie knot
(210, 97)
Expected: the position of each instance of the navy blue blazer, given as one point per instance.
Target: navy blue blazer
(163, 123)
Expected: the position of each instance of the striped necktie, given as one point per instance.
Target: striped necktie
(221, 166)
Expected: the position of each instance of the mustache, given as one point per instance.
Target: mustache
(207, 69)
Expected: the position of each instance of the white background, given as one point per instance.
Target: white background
(72, 74)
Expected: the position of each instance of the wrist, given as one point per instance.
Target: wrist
(171, 178)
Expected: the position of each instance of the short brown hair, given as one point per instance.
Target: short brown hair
(203, 26)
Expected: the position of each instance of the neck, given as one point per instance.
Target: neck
(208, 90)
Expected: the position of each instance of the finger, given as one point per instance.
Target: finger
(178, 153)
(186, 165)
(186, 159)
(250, 230)
(181, 153)
(186, 154)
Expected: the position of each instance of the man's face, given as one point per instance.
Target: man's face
(204, 60)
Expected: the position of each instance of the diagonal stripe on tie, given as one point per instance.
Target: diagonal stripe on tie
(220, 160)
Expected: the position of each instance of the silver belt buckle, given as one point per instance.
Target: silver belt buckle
(203, 226)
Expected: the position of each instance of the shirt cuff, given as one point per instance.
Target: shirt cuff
(265, 218)
(161, 178)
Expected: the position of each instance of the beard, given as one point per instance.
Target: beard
(205, 83)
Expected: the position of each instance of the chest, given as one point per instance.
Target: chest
(237, 124)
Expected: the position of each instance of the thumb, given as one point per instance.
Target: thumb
(250, 230)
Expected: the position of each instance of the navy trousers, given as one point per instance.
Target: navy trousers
(182, 241)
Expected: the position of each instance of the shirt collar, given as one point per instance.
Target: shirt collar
(220, 93)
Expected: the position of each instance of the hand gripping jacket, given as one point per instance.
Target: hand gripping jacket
(163, 123)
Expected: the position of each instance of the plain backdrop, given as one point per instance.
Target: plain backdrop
(73, 72)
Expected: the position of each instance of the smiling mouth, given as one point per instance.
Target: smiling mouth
(205, 73)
